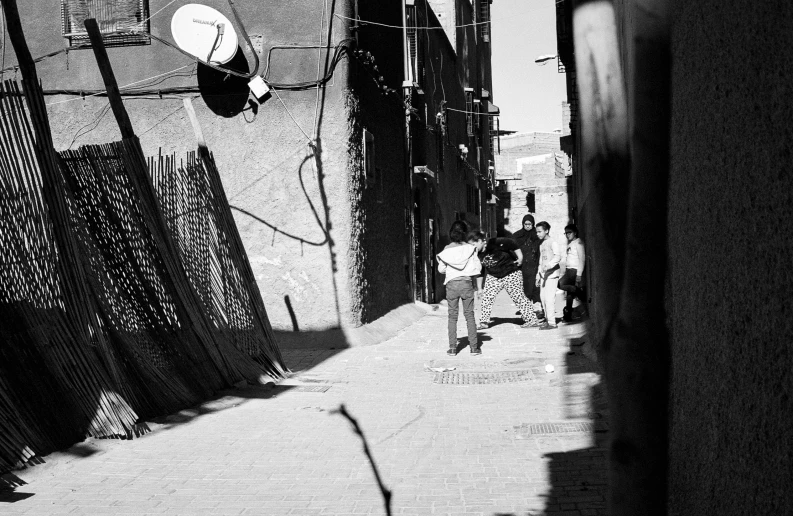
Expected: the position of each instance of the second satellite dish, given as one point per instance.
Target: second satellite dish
(205, 33)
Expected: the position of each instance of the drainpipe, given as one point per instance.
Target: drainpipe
(407, 89)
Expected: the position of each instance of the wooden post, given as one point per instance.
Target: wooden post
(113, 93)
(17, 37)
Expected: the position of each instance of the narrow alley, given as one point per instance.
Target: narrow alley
(528, 442)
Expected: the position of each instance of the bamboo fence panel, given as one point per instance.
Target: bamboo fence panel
(125, 292)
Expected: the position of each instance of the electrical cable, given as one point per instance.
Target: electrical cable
(340, 50)
(120, 88)
(473, 112)
(155, 14)
(310, 141)
(366, 22)
(319, 64)
(93, 124)
(229, 71)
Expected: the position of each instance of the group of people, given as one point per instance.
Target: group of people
(527, 266)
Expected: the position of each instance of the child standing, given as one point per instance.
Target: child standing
(459, 262)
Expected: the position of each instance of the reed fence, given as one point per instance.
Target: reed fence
(125, 291)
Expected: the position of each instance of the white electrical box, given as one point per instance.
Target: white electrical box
(258, 87)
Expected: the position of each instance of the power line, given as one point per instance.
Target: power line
(367, 22)
(473, 112)
(122, 87)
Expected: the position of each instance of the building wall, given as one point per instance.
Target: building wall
(327, 247)
(527, 163)
(380, 243)
(450, 66)
(730, 213)
(292, 205)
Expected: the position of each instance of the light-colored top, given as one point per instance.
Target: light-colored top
(458, 261)
(550, 256)
(575, 256)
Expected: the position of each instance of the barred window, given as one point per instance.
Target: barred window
(469, 109)
(121, 22)
(484, 19)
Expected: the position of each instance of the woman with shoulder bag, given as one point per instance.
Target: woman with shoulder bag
(502, 260)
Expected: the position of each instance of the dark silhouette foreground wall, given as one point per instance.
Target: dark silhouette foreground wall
(730, 278)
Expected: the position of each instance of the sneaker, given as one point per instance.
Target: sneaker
(534, 324)
(548, 327)
(482, 326)
(476, 351)
(452, 352)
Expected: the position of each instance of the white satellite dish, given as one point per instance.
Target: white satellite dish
(205, 33)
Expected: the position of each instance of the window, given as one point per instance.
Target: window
(491, 134)
(415, 45)
(484, 17)
(122, 22)
(530, 202)
(477, 116)
(370, 167)
(469, 109)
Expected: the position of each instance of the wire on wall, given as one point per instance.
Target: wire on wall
(400, 27)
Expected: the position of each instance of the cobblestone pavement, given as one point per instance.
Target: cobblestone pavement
(441, 447)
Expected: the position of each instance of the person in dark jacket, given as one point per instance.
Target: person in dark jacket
(529, 245)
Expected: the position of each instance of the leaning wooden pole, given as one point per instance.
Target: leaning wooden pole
(109, 78)
(628, 170)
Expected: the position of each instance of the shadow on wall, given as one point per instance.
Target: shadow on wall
(224, 94)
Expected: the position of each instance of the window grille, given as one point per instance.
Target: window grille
(484, 19)
(414, 45)
(491, 135)
(121, 22)
(469, 109)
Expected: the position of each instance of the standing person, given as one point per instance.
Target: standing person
(502, 259)
(529, 244)
(575, 259)
(548, 274)
(460, 263)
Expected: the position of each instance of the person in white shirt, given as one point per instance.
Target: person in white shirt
(548, 274)
(459, 261)
(575, 260)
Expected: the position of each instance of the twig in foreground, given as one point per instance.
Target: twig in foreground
(383, 489)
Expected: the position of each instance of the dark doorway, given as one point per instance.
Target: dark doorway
(418, 247)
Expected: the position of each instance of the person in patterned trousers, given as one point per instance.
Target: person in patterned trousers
(502, 259)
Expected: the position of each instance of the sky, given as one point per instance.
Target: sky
(529, 96)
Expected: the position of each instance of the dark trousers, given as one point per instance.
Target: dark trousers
(456, 290)
(567, 283)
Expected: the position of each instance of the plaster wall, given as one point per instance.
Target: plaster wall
(292, 202)
(730, 213)
(526, 164)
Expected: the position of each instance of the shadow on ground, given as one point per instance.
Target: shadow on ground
(578, 478)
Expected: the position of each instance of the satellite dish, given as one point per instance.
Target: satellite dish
(205, 33)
